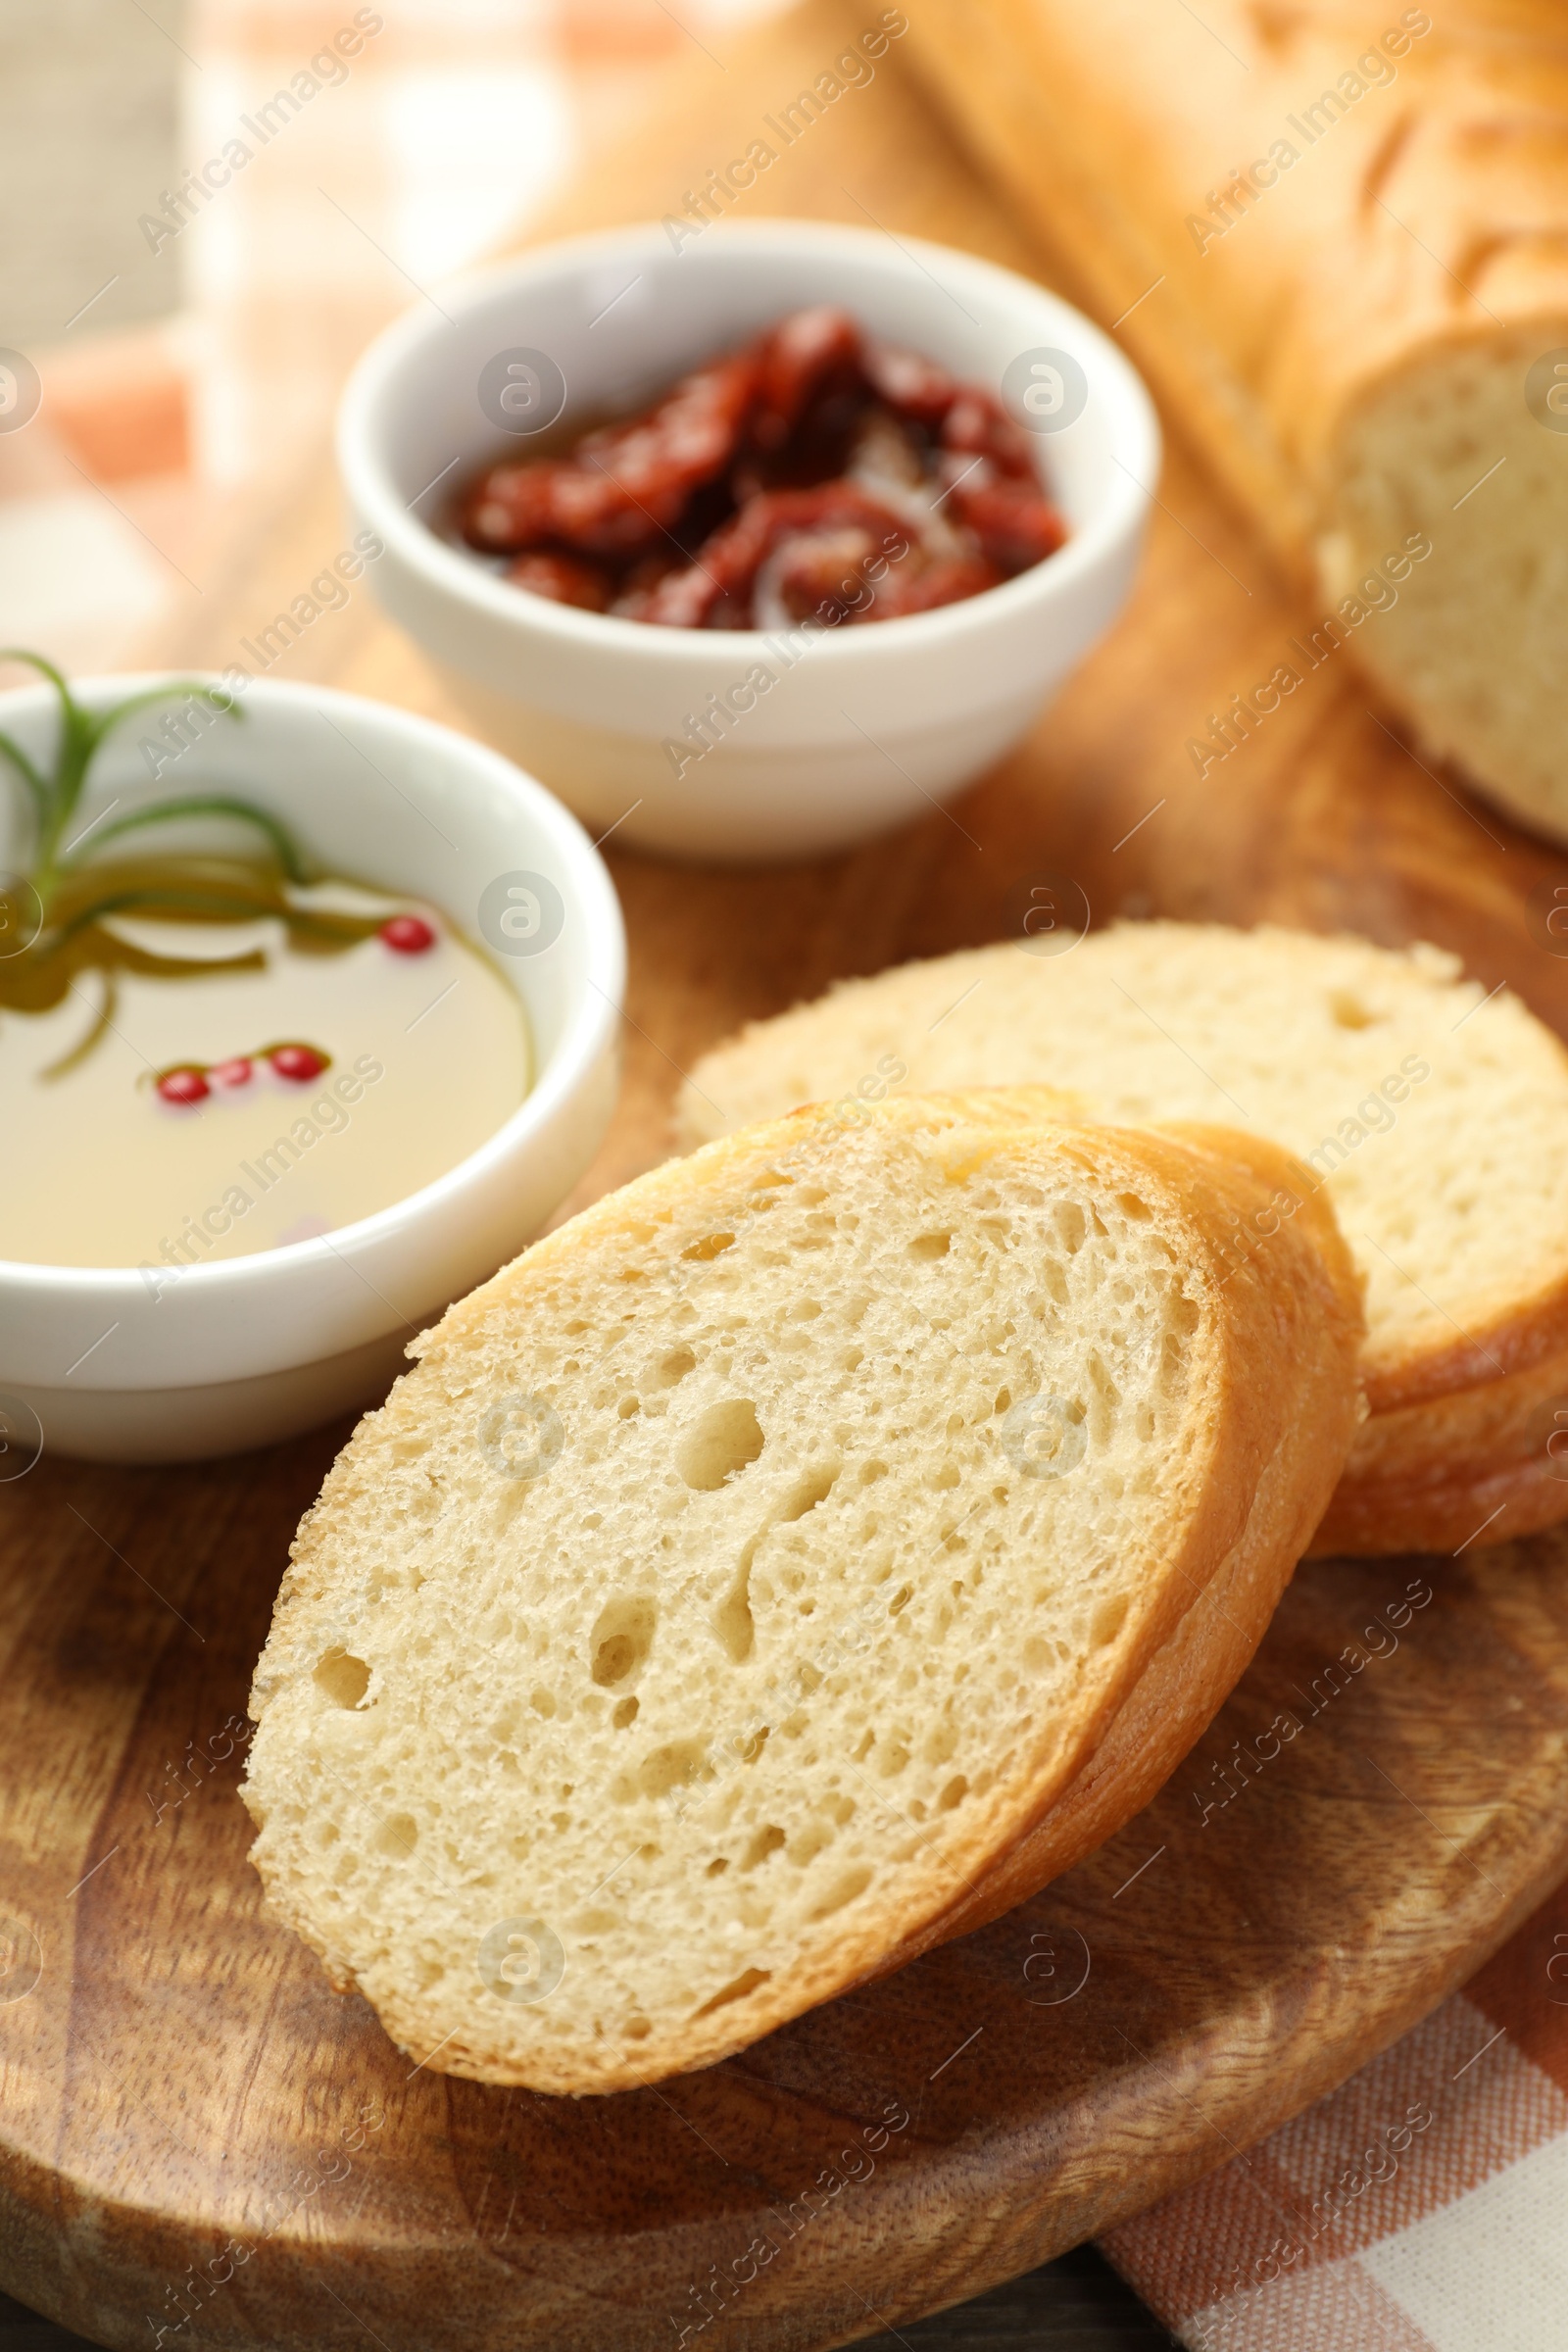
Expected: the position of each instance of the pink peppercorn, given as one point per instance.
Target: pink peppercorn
(301, 1063)
(185, 1086)
(231, 1073)
(408, 934)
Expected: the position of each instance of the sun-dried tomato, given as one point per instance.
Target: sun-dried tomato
(564, 580)
(644, 578)
(822, 575)
(726, 567)
(919, 588)
(1016, 527)
(751, 494)
(911, 385)
(979, 425)
(623, 486)
(795, 362)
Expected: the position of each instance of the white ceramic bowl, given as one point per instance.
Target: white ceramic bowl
(248, 1350)
(873, 723)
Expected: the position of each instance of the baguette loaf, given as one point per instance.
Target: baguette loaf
(1436, 1121)
(791, 1562)
(1345, 230)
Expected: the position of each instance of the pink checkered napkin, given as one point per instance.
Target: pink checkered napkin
(1422, 2207)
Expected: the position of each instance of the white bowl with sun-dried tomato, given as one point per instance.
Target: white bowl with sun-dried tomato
(785, 694)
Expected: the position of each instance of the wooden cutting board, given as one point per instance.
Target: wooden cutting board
(197, 2138)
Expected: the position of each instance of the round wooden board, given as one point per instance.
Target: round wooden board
(195, 2124)
(189, 2102)
(197, 2136)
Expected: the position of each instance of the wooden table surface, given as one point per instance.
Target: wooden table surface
(1325, 819)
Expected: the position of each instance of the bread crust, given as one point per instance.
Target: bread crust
(1274, 319)
(1281, 1400)
(1489, 1459)
(1523, 1341)
(1210, 1643)
(1517, 1499)
(1435, 1464)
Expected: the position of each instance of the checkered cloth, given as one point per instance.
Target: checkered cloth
(1422, 2207)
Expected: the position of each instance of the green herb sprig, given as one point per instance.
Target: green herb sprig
(62, 908)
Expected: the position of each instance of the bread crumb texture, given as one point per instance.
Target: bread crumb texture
(1437, 1118)
(1450, 445)
(733, 1577)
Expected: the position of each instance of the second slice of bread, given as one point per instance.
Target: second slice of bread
(1435, 1119)
(795, 1560)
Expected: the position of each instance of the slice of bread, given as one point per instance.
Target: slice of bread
(1434, 1117)
(795, 1560)
(1466, 642)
